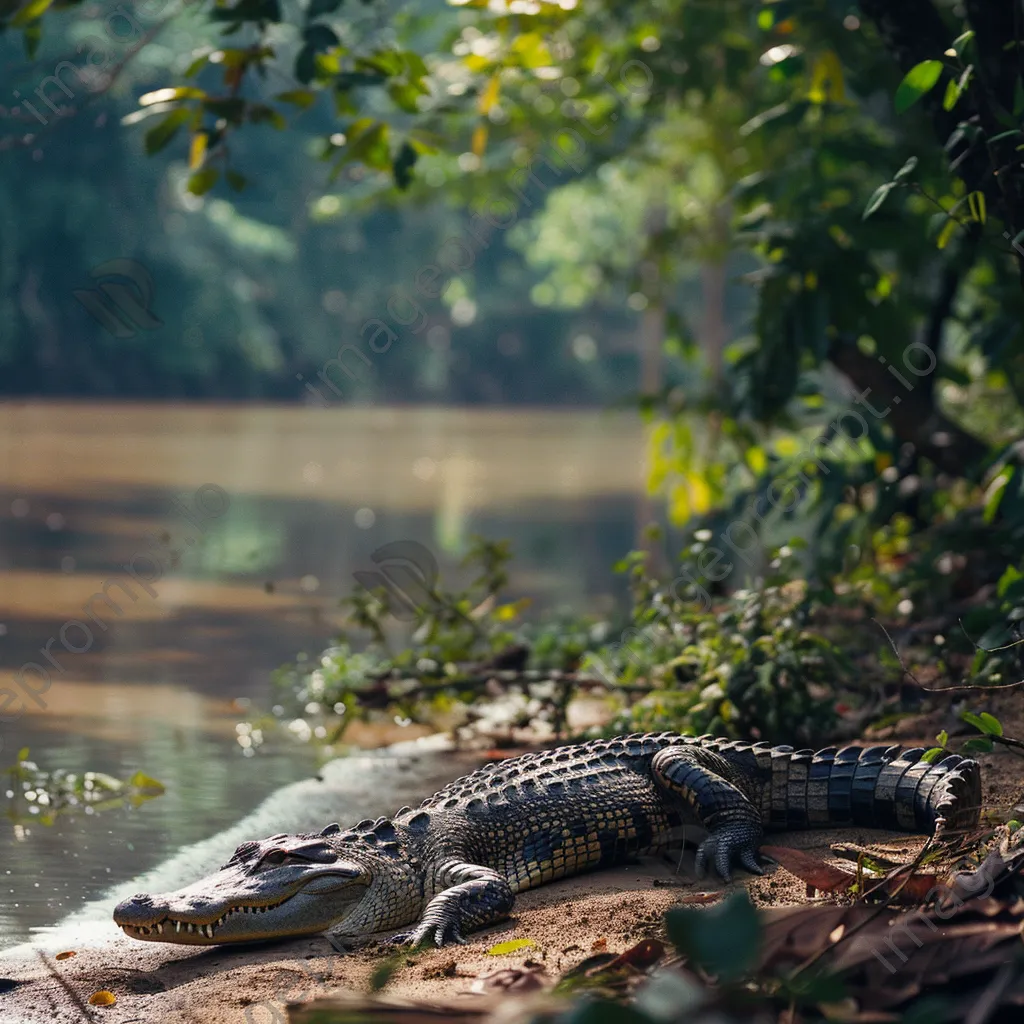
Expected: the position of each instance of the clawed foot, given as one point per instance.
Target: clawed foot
(428, 933)
(727, 846)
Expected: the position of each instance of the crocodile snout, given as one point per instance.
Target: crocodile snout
(137, 909)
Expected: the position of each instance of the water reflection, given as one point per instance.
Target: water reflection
(84, 488)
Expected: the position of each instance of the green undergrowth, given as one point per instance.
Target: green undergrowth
(796, 655)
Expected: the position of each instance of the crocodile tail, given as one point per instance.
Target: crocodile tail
(876, 787)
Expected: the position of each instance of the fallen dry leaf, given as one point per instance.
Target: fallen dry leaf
(646, 953)
(66, 956)
(599, 946)
(102, 998)
(810, 869)
(913, 889)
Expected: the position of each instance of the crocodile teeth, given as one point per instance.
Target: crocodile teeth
(177, 926)
(159, 929)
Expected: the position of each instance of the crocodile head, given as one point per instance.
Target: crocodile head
(281, 886)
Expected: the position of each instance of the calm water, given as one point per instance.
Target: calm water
(258, 516)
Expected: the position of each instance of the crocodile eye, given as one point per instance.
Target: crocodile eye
(274, 858)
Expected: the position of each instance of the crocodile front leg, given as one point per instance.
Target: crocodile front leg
(473, 897)
(701, 781)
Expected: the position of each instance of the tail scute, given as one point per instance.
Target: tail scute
(876, 787)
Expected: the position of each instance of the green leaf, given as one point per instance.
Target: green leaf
(906, 170)
(403, 164)
(951, 96)
(161, 134)
(918, 81)
(22, 755)
(305, 64)
(930, 755)
(877, 198)
(35, 9)
(993, 727)
(202, 181)
(260, 113)
(320, 37)
(978, 745)
(1018, 98)
(976, 204)
(304, 98)
(1010, 576)
(993, 499)
(318, 7)
(404, 95)
(986, 723)
(140, 780)
(198, 64)
(961, 41)
(946, 233)
(371, 146)
(511, 946)
(724, 939)
(942, 739)
(954, 90)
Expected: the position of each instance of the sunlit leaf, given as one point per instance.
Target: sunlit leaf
(30, 12)
(906, 170)
(489, 96)
(479, 144)
(976, 204)
(946, 233)
(878, 197)
(918, 81)
(197, 150)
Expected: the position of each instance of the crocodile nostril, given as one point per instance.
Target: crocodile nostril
(142, 897)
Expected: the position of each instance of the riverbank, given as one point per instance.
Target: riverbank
(563, 923)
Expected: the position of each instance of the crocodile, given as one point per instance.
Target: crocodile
(455, 863)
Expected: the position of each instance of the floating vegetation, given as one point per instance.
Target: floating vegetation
(35, 795)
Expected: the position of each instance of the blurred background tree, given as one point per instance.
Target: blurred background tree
(743, 215)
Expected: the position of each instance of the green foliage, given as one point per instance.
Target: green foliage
(752, 665)
(441, 675)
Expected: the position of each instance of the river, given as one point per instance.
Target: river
(257, 517)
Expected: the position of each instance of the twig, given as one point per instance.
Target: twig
(87, 1014)
(976, 688)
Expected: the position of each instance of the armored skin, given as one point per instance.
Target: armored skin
(455, 863)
